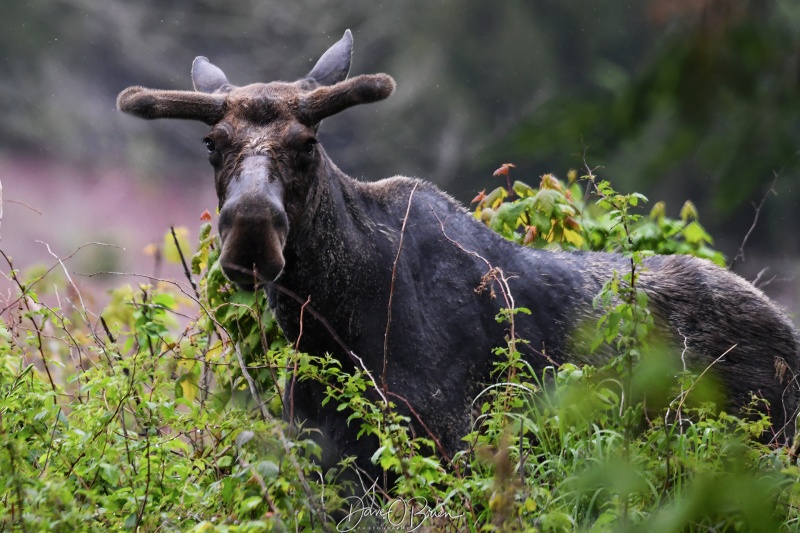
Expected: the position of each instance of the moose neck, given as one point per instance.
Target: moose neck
(331, 259)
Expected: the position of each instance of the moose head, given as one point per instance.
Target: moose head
(263, 148)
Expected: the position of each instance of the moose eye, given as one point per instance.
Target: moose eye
(305, 153)
(209, 142)
(308, 147)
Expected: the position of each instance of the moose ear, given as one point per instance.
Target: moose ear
(334, 64)
(208, 78)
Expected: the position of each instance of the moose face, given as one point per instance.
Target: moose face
(264, 161)
(263, 148)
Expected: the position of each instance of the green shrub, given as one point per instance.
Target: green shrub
(164, 413)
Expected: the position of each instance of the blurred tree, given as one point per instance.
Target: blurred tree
(468, 71)
(689, 97)
(710, 116)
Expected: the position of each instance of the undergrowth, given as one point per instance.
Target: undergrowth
(164, 412)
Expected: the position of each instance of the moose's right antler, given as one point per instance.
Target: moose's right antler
(154, 103)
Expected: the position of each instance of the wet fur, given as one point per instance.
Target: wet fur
(289, 214)
(443, 331)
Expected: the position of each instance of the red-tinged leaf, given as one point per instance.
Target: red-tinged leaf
(206, 216)
(530, 235)
(480, 197)
(572, 223)
(503, 170)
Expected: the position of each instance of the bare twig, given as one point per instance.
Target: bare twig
(40, 278)
(117, 410)
(50, 444)
(421, 423)
(497, 275)
(69, 278)
(23, 204)
(265, 345)
(685, 394)
(260, 480)
(186, 270)
(140, 512)
(371, 377)
(384, 382)
(294, 370)
(740, 253)
(181, 287)
(350, 354)
(251, 384)
(36, 328)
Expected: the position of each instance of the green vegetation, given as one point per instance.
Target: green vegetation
(164, 413)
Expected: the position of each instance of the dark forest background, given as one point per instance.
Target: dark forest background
(677, 99)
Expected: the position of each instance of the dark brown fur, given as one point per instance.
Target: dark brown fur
(290, 218)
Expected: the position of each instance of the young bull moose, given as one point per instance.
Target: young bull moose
(401, 250)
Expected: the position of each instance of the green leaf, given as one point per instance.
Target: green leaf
(688, 211)
(494, 198)
(695, 234)
(545, 200)
(268, 469)
(250, 503)
(187, 386)
(377, 454)
(523, 190)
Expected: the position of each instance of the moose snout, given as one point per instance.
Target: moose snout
(252, 246)
(253, 227)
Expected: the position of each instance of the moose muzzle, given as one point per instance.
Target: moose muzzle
(253, 225)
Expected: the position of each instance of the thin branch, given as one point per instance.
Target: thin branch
(266, 347)
(740, 253)
(69, 278)
(251, 384)
(140, 513)
(260, 480)
(23, 204)
(354, 358)
(117, 410)
(50, 444)
(186, 270)
(685, 394)
(391, 295)
(40, 278)
(36, 328)
(294, 370)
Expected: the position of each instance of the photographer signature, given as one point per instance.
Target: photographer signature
(400, 514)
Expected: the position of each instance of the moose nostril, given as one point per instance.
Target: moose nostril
(252, 249)
(240, 275)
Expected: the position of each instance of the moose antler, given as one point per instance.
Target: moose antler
(154, 103)
(326, 101)
(331, 93)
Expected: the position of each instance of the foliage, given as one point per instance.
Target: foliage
(148, 426)
(555, 216)
(712, 111)
(165, 411)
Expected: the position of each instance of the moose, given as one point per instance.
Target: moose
(391, 268)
